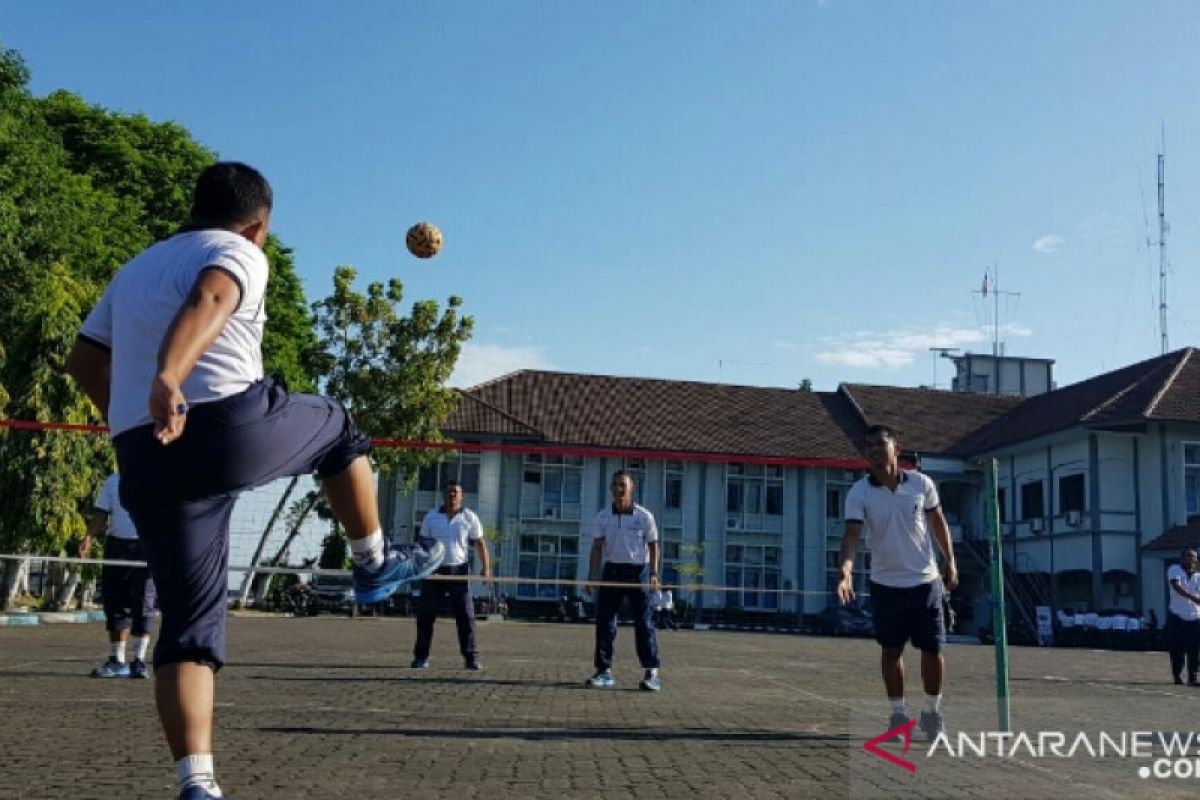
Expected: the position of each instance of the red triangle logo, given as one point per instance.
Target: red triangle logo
(905, 730)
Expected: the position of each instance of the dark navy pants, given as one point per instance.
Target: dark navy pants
(128, 592)
(434, 595)
(181, 497)
(1183, 642)
(608, 605)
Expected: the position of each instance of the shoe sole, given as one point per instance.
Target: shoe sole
(386, 590)
(645, 687)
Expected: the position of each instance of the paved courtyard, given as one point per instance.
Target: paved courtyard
(327, 708)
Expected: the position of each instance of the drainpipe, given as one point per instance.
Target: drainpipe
(1094, 513)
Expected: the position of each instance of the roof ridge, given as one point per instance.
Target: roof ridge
(1158, 396)
(607, 376)
(844, 388)
(1112, 400)
(502, 412)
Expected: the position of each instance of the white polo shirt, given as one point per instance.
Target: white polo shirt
(902, 547)
(1180, 606)
(143, 298)
(625, 535)
(453, 532)
(120, 524)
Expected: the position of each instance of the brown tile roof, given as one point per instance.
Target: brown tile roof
(666, 415)
(474, 416)
(1177, 537)
(1158, 388)
(928, 420)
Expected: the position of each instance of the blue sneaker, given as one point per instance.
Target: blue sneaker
(138, 669)
(420, 663)
(400, 565)
(650, 682)
(111, 669)
(194, 792)
(603, 679)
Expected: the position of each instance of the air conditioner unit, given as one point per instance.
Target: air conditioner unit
(551, 513)
(1037, 524)
(1073, 518)
(733, 523)
(547, 548)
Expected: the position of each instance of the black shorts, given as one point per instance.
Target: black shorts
(912, 613)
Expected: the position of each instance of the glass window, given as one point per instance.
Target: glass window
(470, 477)
(775, 499)
(529, 544)
(1032, 501)
(1071, 493)
(427, 479)
(673, 492)
(733, 498)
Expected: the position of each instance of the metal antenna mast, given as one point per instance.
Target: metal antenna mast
(1163, 229)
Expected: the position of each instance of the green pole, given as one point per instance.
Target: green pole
(999, 622)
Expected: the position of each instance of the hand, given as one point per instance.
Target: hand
(168, 409)
(845, 589)
(655, 583)
(84, 546)
(951, 579)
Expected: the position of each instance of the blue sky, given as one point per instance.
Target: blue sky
(752, 192)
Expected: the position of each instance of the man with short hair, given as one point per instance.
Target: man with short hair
(128, 592)
(172, 355)
(1183, 616)
(625, 540)
(456, 527)
(897, 507)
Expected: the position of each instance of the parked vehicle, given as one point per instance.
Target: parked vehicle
(845, 621)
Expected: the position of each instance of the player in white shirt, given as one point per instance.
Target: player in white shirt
(625, 541)
(1183, 616)
(128, 592)
(897, 508)
(457, 528)
(172, 355)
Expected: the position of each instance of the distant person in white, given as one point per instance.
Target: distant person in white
(456, 527)
(625, 542)
(1183, 616)
(128, 592)
(898, 508)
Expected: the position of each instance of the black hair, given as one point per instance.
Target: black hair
(229, 193)
(886, 430)
(450, 484)
(622, 473)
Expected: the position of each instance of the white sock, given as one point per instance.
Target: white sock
(198, 770)
(933, 703)
(140, 645)
(368, 551)
(897, 705)
(117, 650)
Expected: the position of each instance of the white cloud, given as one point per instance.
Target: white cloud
(482, 362)
(1050, 243)
(895, 349)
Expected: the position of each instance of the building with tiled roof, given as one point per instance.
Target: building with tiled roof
(748, 482)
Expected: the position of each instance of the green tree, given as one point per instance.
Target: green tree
(83, 189)
(390, 369)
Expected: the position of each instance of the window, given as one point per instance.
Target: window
(1032, 505)
(753, 497)
(1071, 493)
(1002, 502)
(551, 487)
(673, 485)
(549, 556)
(749, 569)
(1191, 477)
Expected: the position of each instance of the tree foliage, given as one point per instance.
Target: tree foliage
(391, 369)
(83, 189)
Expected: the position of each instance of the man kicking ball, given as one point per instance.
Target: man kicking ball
(173, 355)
